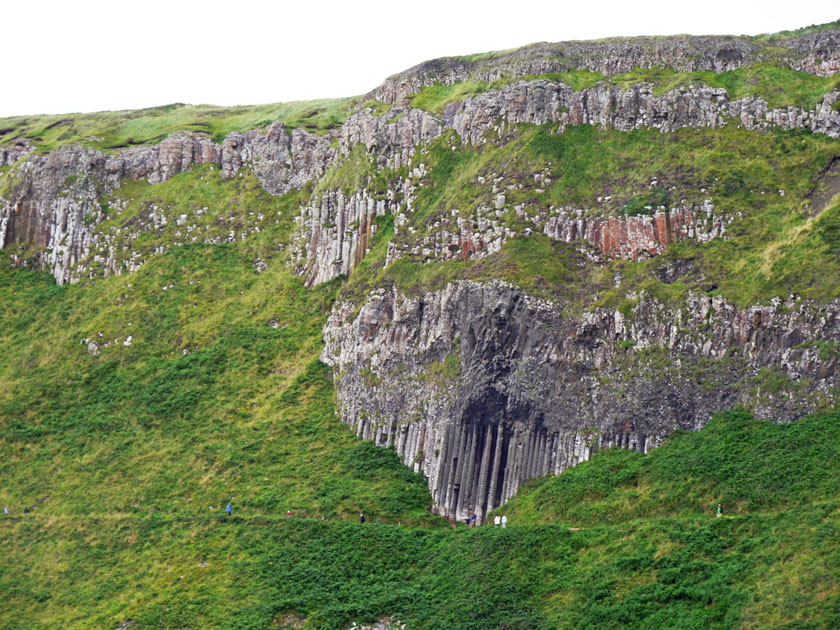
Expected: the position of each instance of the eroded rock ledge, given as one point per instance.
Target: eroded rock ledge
(54, 201)
(481, 386)
(815, 53)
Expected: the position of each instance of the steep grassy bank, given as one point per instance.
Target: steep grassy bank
(772, 561)
(193, 382)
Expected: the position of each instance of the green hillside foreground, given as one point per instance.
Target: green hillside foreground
(128, 457)
(623, 541)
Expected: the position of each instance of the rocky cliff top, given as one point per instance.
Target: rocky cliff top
(816, 53)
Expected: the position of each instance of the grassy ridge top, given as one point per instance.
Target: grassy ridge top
(777, 84)
(121, 129)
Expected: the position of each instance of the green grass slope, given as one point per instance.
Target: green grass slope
(772, 561)
(120, 129)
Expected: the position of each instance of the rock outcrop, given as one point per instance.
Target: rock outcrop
(637, 107)
(338, 232)
(394, 136)
(54, 204)
(481, 386)
(637, 237)
(10, 155)
(816, 53)
(54, 201)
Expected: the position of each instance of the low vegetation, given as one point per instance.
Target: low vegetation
(121, 129)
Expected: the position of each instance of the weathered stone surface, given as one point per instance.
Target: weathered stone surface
(54, 203)
(338, 231)
(817, 53)
(11, 154)
(391, 137)
(543, 101)
(634, 238)
(527, 391)
(47, 212)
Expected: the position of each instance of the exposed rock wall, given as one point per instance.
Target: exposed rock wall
(636, 107)
(10, 155)
(817, 53)
(481, 387)
(54, 201)
(637, 237)
(394, 136)
(338, 232)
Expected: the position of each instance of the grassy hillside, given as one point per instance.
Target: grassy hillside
(120, 129)
(773, 560)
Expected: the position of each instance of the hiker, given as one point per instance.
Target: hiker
(504, 521)
(719, 510)
(362, 518)
(6, 510)
(229, 509)
(472, 519)
(288, 512)
(497, 520)
(26, 510)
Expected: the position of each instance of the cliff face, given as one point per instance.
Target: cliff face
(541, 102)
(815, 53)
(482, 387)
(53, 203)
(53, 200)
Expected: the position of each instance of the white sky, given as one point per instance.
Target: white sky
(93, 55)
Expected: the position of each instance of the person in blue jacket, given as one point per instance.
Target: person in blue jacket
(229, 510)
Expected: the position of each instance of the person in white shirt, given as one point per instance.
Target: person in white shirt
(497, 520)
(504, 521)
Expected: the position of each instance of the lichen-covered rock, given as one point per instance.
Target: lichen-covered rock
(481, 386)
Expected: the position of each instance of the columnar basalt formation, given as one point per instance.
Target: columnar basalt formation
(391, 137)
(481, 386)
(394, 136)
(32, 213)
(338, 231)
(54, 201)
(637, 107)
(637, 237)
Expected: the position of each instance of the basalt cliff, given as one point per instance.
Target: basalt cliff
(542, 252)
